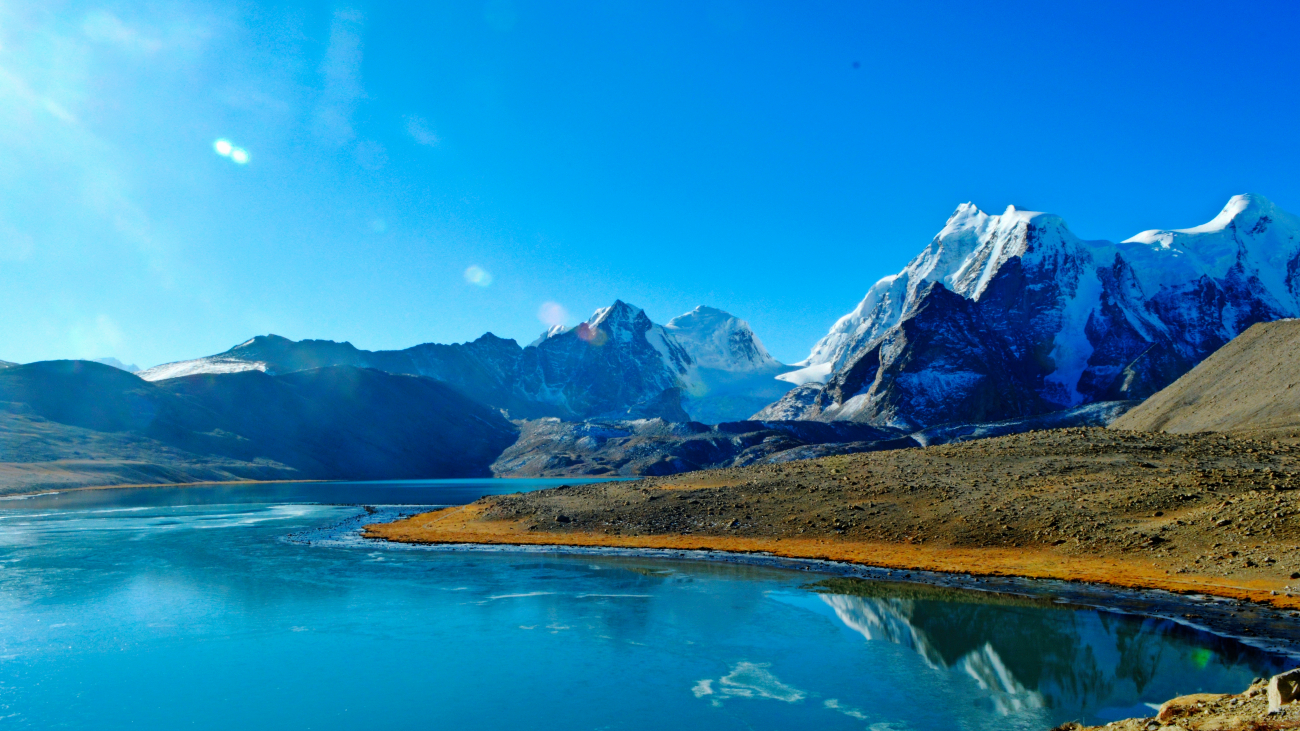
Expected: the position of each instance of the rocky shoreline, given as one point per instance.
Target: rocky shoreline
(1267, 705)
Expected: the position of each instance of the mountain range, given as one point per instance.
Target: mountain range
(1010, 315)
(1002, 323)
(705, 365)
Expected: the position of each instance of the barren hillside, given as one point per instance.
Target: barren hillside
(1252, 383)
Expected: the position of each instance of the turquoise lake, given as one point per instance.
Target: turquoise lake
(206, 608)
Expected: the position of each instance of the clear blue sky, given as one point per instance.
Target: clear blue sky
(771, 159)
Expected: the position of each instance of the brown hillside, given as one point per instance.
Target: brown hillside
(1190, 513)
(1252, 383)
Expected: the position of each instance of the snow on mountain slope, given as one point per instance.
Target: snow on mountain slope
(209, 364)
(1059, 321)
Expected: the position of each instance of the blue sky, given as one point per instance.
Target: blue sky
(771, 159)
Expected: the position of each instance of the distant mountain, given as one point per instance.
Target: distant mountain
(1012, 315)
(337, 422)
(1252, 383)
(128, 367)
(6, 364)
(705, 365)
(732, 374)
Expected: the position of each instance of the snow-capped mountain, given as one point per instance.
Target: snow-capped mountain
(617, 364)
(719, 340)
(732, 375)
(1010, 315)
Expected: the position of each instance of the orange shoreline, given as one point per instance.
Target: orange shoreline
(464, 525)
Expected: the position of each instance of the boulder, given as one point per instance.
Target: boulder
(1283, 689)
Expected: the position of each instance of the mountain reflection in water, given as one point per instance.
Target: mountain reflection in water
(1027, 653)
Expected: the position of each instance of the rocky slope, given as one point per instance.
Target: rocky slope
(337, 422)
(704, 365)
(1252, 383)
(1011, 315)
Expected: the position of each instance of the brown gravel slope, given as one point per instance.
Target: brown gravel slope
(1251, 383)
(1198, 513)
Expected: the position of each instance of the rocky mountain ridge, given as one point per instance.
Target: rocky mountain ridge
(1012, 315)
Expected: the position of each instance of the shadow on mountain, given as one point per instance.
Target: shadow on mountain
(338, 422)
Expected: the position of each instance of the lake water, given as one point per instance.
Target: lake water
(191, 608)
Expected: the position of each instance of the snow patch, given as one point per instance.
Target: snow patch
(818, 373)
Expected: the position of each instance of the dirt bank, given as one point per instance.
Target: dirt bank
(1188, 513)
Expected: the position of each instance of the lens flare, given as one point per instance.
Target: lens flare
(552, 313)
(223, 147)
(593, 335)
(478, 275)
(239, 155)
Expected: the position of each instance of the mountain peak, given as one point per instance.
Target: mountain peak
(717, 339)
(1243, 212)
(619, 316)
(969, 219)
(700, 316)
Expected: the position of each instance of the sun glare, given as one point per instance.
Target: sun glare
(225, 148)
